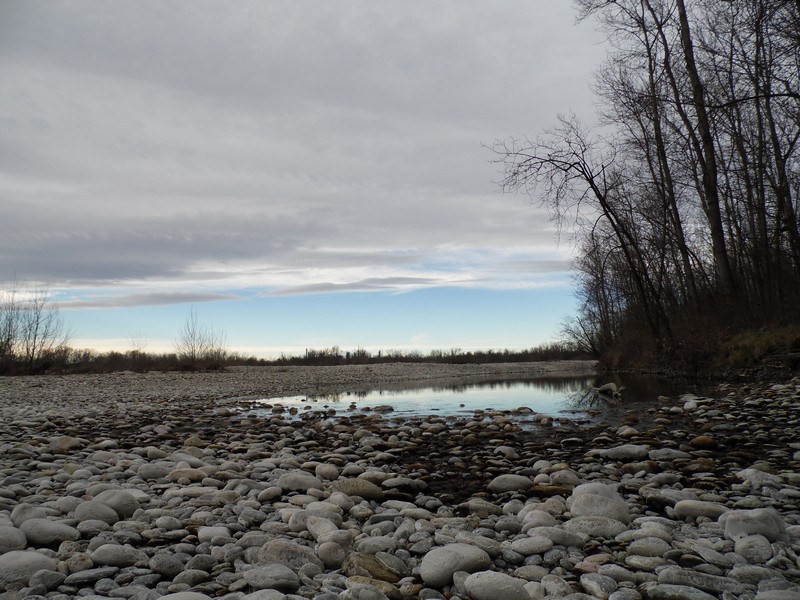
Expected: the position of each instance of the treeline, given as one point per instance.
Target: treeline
(685, 200)
(70, 360)
(336, 356)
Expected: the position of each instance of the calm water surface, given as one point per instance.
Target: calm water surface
(559, 397)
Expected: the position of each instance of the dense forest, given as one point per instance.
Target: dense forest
(683, 201)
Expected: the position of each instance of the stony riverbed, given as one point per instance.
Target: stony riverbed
(159, 485)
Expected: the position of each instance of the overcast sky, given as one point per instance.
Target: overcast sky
(196, 153)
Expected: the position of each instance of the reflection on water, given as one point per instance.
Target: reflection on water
(570, 397)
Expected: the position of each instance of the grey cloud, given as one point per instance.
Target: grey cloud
(371, 284)
(152, 299)
(196, 141)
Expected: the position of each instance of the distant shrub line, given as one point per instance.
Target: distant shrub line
(69, 360)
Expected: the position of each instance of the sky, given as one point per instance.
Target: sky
(297, 173)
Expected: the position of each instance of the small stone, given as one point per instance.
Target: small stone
(762, 521)
(360, 487)
(18, 566)
(532, 545)
(753, 548)
(288, 553)
(366, 565)
(438, 565)
(509, 483)
(599, 586)
(93, 510)
(677, 592)
(595, 526)
(115, 555)
(11, 538)
(649, 546)
(43, 532)
(490, 585)
(698, 508)
(274, 576)
(206, 534)
(299, 481)
(703, 442)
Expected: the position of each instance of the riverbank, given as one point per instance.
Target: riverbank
(151, 485)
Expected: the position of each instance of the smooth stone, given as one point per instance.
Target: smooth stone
(754, 548)
(532, 545)
(509, 483)
(43, 532)
(94, 510)
(358, 486)
(488, 545)
(299, 481)
(18, 566)
(480, 507)
(208, 533)
(166, 564)
(594, 505)
(698, 508)
(11, 538)
(273, 576)
(122, 501)
(792, 594)
(560, 537)
(668, 454)
(599, 586)
(49, 579)
(287, 553)
(90, 575)
(649, 546)
(676, 592)
(762, 521)
(155, 470)
(710, 583)
(595, 526)
(319, 526)
(624, 452)
(438, 565)
(490, 585)
(556, 586)
(332, 554)
(367, 565)
(64, 444)
(115, 555)
(186, 596)
(23, 512)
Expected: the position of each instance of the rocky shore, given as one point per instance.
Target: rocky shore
(165, 485)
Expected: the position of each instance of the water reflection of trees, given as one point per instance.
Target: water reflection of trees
(551, 385)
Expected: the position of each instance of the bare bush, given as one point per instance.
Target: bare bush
(198, 345)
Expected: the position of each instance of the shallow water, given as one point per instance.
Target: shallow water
(558, 397)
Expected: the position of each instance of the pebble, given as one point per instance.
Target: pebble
(157, 485)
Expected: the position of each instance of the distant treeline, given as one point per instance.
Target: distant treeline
(685, 205)
(69, 360)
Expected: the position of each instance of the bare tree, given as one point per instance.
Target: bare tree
(198, 344)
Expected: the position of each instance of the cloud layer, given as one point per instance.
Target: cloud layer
(295, 146)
